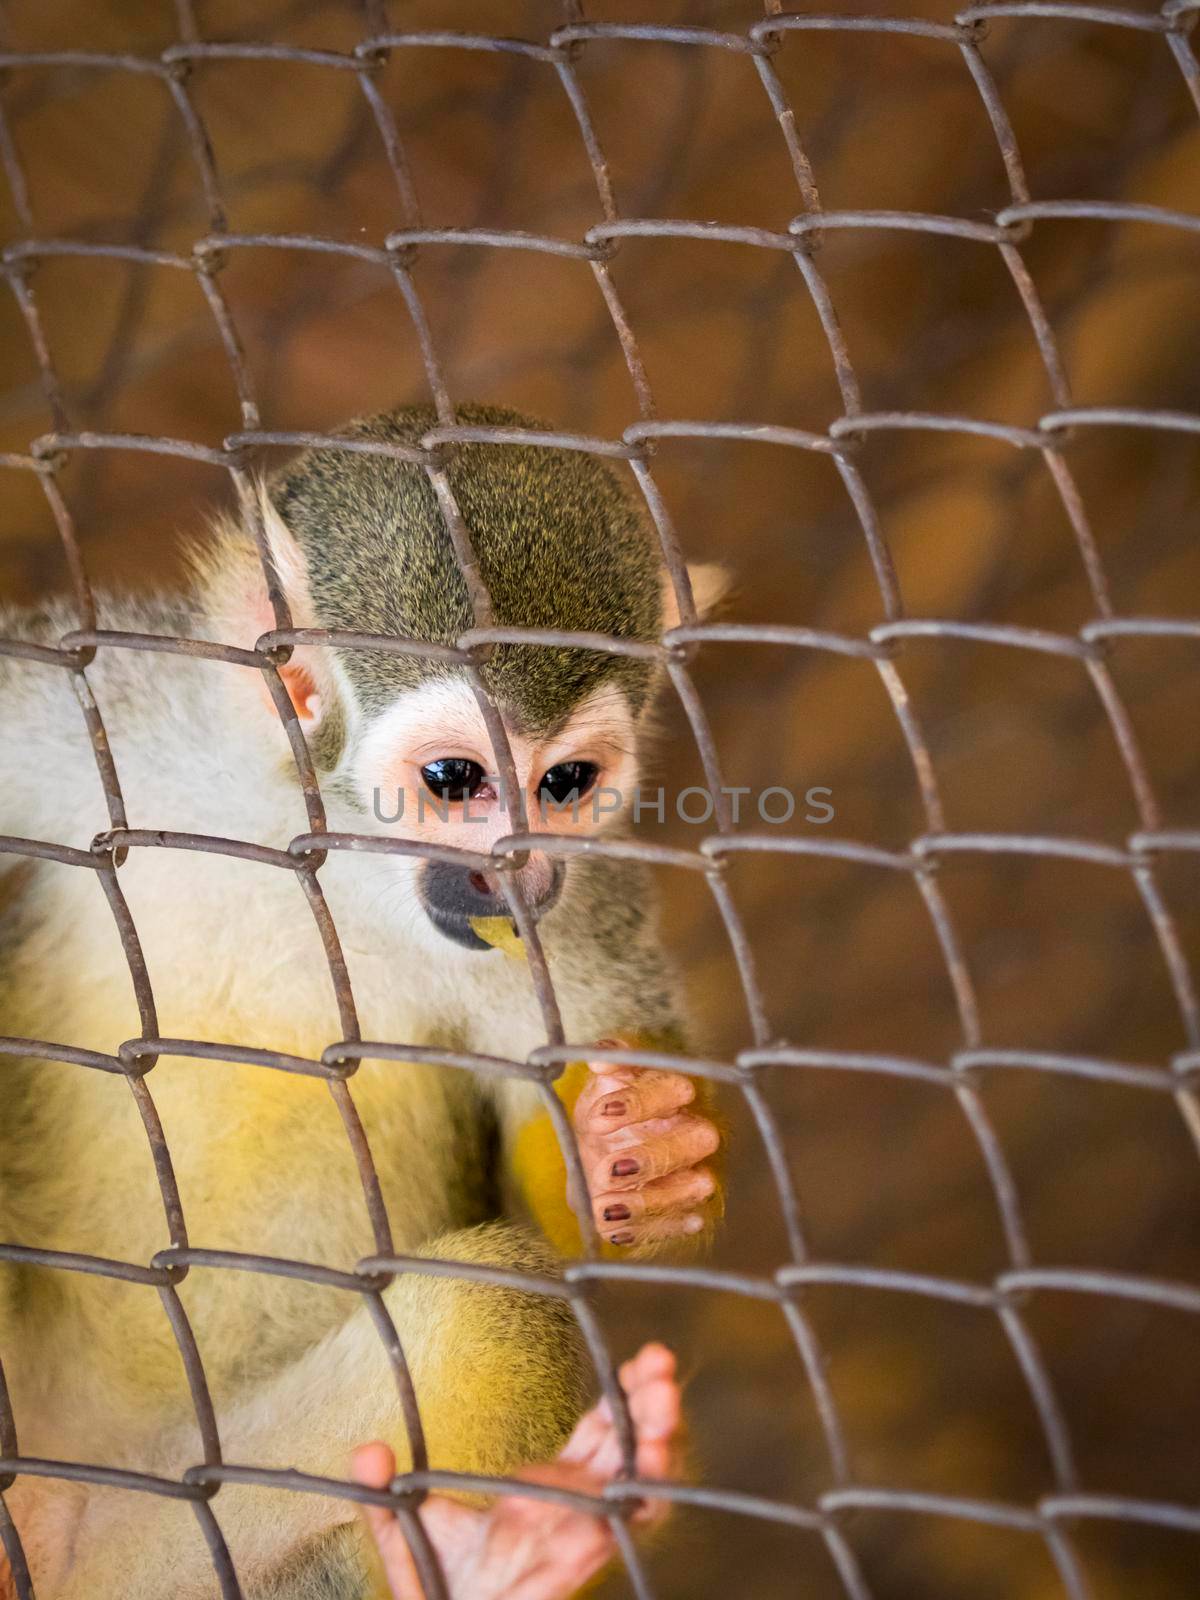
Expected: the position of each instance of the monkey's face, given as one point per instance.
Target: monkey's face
(360, 545)
(425, 770)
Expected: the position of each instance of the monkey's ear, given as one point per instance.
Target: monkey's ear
(307, 680)
(287, 556)
(711, 584)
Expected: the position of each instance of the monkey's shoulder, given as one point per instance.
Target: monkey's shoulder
(30, 686)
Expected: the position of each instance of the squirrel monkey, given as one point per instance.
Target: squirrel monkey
(469, 1164)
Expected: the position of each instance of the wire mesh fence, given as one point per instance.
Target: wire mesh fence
(856, 1515)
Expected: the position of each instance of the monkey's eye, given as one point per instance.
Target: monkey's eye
(569, 780)
(453, 777)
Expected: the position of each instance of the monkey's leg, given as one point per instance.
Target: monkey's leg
(499, 1382)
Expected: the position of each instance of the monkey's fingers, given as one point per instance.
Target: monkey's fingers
(656, 1410)
(456, 1531)
(606, 1079)
(645, 1094)
(656, 1405)
(595, 1427)
(665, 1209)
(374, 1465)
(528, 1549)
(639, 1154)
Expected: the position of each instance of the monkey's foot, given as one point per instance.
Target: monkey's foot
(526, 1549)
(642, 1153)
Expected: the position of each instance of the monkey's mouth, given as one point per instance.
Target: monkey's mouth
(459, 928)
(460, 906)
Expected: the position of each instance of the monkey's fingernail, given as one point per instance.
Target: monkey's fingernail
(616, 1213)
(613, 1108)
(624, 1168)
(621, 1238)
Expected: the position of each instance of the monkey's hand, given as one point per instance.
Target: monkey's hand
(643, 1153)
(534, 1549)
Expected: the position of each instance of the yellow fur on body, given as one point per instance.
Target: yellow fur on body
(297, 1371)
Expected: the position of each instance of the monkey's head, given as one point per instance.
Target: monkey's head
(361, 544)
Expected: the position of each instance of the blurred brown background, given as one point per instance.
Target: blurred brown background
(1062, 954)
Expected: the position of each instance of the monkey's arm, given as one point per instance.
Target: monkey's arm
(646, 1136)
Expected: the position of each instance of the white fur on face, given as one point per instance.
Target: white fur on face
(443, 719)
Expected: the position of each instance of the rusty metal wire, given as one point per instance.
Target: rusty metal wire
(1007, 1296)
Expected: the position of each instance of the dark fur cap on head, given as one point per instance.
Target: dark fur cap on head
(559, 545)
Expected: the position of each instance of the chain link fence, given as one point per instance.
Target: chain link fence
(878, 955)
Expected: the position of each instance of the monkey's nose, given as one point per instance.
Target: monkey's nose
(454, 897)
